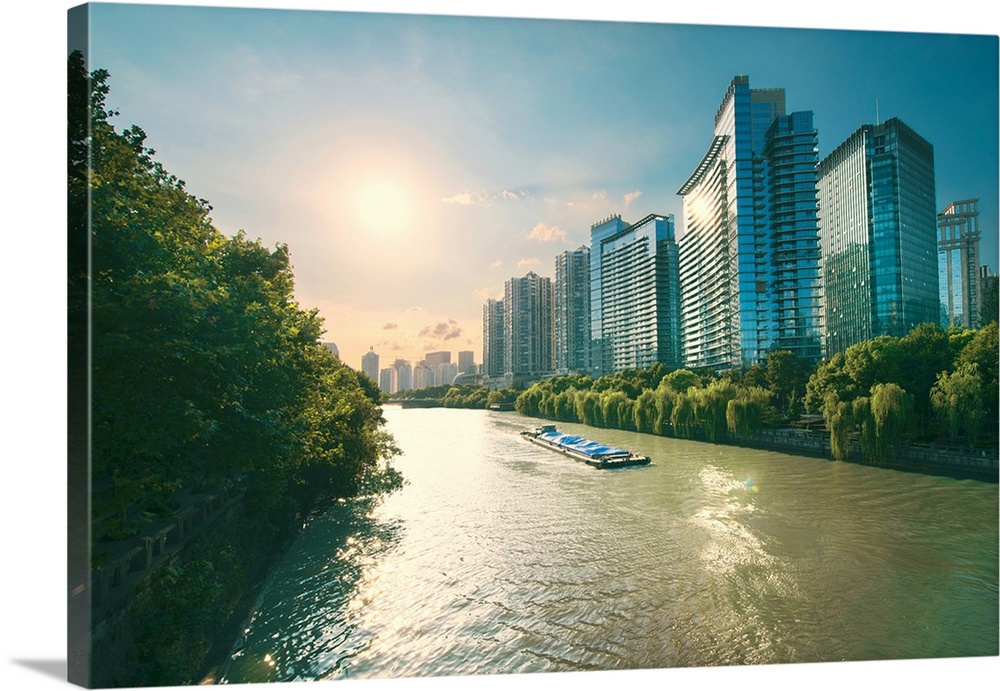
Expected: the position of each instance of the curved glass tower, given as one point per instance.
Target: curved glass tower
(749, 247)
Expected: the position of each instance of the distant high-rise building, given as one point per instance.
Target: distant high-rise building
(387, 380)
(369, 364)
(404, 374)
(958, 264)
(749, 248)
(527, 328)
(423, 377)
(493, 339)
(332, 347)
(987, 295)
(436, 358)
(878, 235)
(571, 311)
(640, 294)
(466, 362)
(445, 372)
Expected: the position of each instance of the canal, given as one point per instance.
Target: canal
(500, 557)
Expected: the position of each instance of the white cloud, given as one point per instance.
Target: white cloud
(497, 264)
(528, 261)
(485, 198)
(632, 196)
(546, 233)
(468, 199)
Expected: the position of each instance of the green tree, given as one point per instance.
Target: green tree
(925, 353)
(990, 309)
(682, 415)
(745, 413)
(664, 397)
(204, 368)
(837, 415)
(890, 408)
(861, 415)
(786, 375)
(958, 399)
(645, 411)
(681, 380)
(983, 351)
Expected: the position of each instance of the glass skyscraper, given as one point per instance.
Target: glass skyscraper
(571, 314)
(877, 223)
(639, 291)
(749, 247)
(958, 264)
(600, 355)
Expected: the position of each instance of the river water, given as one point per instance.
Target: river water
(499, 556)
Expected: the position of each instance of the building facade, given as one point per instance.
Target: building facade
(369, 364)
(958, 264)
(387, 380)
(878, 235)
(423, 377)
(571, 311)
(527, 328)
(466, 362)
(404, 374)
(791, 159)
(600, 355)
(494, 359)
(748, 251)
(640, 296)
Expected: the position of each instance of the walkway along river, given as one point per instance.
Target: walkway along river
(500, 556)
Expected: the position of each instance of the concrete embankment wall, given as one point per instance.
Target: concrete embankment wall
(980, 464)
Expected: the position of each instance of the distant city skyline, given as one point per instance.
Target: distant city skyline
(413, 164)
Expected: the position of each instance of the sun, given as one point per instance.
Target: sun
(384, 206)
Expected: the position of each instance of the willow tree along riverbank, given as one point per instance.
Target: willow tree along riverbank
(928, 386)
(205, 376)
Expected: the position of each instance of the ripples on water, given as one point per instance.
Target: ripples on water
(499, 556)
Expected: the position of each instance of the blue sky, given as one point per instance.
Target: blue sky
(413, 163)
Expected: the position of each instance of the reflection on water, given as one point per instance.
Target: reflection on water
(499, 556)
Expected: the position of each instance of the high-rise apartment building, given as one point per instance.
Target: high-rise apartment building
(387, 381)
(466, 362)
(436, 358)
(571, 311)
(748, 250)
(404, 374)
(423, 377)
(878, 235)
(527, 328)
(494, 363)
(600, 355)
(791, 159)
(639, 291)
(958, 264)
(369, 364)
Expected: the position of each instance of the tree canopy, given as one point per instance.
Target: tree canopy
(204, 367)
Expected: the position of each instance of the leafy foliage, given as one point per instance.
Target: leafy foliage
(204, 368)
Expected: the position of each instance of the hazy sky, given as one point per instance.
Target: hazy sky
(414, 163)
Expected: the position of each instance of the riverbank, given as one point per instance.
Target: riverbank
(958, 462)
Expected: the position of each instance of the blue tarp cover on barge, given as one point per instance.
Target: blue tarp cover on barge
(584, 446)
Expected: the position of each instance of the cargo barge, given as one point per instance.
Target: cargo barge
(590, 452)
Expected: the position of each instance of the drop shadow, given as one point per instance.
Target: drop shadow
(56, 669)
